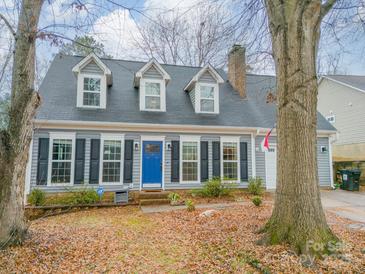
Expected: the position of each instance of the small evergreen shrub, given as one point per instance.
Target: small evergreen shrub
(257, 201)
(190, 205)
(174, 197)
(37, 197)
(255, 186)
(214, 188)
(84, 196)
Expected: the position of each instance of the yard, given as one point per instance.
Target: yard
(126, 240)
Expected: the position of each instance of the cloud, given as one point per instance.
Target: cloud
(118, 32)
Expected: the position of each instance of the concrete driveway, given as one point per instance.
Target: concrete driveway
(350, 205)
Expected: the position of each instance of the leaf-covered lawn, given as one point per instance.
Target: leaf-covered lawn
(126, 240)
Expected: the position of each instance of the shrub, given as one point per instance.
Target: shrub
(214, 188)
(84, 196)
(37, 197)
(174, 197)
(256, 200)
(190, 205)
(255, 186)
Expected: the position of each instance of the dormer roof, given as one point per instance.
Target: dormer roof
(208, 68)
(152, 63)
(92, 57)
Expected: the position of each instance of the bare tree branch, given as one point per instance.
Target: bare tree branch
(7, 23)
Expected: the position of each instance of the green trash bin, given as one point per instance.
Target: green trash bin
(350, 179)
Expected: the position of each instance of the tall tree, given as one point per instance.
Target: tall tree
(298, 215)
(15, 140)
(83, 45)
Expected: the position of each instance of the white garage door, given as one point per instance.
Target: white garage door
(270, 164)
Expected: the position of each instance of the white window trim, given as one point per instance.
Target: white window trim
(189, 138)
(151, 138)
(81, 91)
(231, 139)
(111, 137)
(142, 94)
(331, 116)
(61, 135)
(198, 97)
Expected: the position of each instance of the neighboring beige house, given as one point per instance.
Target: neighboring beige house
(341, 100)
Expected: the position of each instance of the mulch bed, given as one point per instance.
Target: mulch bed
(123, 239)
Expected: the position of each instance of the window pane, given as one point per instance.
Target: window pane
(153, 102)
(61, 172)
(112, 150)
(230, 151)
(111, 172)
(91, 84)
(230, 170)
(207, 92)
(190, 171)
(91, 99)
(153, 89)
(150, 148)
(190, 151)
(207, 105)
(61, 149)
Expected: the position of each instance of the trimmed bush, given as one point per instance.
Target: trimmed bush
(84, 196)
(190, 205)
(37, 197)
(214, 188)
(257, 201)
(255, 186)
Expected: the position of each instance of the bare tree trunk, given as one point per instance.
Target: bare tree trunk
(14, 142)
(298, 217)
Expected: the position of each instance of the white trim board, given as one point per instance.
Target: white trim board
(145, 127)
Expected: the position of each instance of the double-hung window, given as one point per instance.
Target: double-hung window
(111, 156)
(61, 159)
(152, 95)
(207, 98)
(190, 154)
(91, 91)
(230, 159)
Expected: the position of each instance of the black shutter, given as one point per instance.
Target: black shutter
(42, 169)
(243, 159)
(216, 159)
(128, 161)
(80, 161)
(94, 161)
(175, 161)
(204, 161)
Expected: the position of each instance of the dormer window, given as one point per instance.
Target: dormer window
(93, 79)
(151, 80)
(91, 91)
(204, 90)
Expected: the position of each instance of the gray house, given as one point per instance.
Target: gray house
(126, 124)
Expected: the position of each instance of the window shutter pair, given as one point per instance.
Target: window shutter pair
(175, 161)
(43, 155)
(243, 160)
(95, 161)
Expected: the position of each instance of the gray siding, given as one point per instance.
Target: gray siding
(323, 159)
(152, 72)
(207, 78)
(92, 68)
(192, 97)
(324, 171)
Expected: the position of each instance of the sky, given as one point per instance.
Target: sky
(117, 28)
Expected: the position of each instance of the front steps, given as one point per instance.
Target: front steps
(153, 198)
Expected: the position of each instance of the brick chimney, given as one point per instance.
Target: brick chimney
(237, 69)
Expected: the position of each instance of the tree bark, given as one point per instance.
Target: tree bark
(14, 142)
(298, 217)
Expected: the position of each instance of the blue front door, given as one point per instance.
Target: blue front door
(152, 164)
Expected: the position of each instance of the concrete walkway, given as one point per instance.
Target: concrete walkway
(350, 205)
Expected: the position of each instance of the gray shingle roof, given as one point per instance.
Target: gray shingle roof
(356, 81)
(58, 92)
